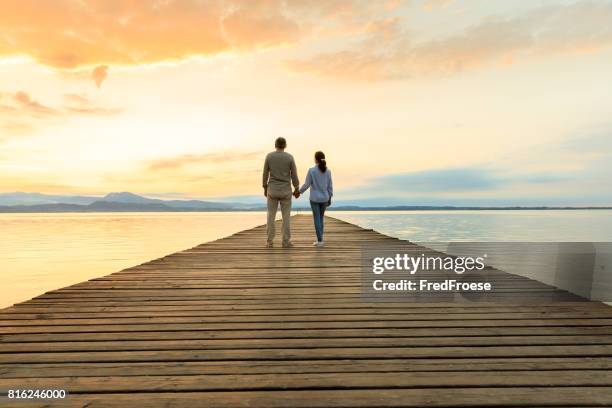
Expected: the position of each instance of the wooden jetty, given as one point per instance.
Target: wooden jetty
(231, 323)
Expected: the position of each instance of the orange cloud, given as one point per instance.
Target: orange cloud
(99, 74)
(20, 103)
(20, 113)
(71, 34)
(15, 128)
(206, 158)
(215, 173)
(68, 34)
(82, 105)
(390, 53)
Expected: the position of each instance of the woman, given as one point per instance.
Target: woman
(319, 181)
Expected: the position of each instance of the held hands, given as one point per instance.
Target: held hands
(296, 193)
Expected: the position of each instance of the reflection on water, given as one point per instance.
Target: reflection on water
(42, 252)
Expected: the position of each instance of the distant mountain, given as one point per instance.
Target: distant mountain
(19, 198)
(100, 206)
(111, 206)
(126, 197)
(122, 201)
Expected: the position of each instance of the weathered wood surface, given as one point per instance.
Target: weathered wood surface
(232, 323)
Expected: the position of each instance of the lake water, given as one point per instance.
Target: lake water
(486, 226)
(42, 252)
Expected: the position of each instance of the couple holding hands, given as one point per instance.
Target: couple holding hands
(279, 174)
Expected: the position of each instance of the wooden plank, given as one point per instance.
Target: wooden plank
(478, 365)
(376, 324)
(50, 313)
(191, 383)
(417, 307)
(319, 353)
(308, 343)
(460, 334)
(319, 317)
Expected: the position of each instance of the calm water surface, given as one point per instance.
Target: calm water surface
(42, 252)
(498, 225)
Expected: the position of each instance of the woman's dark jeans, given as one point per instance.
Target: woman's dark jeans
(318, 212)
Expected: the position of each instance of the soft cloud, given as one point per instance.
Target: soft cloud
(14, 128)
(178, 162)
(81, 104)
(470, 180)
(20, 113)
(466, 179)
(68, 34)
(391, 53)
(21, 103)
(201, 174)
(430, 5)
(99, 74)
(252, 25)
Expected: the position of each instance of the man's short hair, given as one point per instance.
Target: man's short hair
(280, 143)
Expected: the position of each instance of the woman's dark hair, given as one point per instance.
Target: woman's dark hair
(280, 143)
(320, 159)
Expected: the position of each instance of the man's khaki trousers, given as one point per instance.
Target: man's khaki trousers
(285, 204)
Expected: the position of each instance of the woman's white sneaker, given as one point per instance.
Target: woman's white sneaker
(316, 243)
(320, 243)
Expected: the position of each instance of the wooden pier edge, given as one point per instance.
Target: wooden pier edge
(231, 323)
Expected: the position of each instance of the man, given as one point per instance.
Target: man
(278, 174)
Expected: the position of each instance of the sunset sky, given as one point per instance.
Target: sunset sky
(414, 102)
